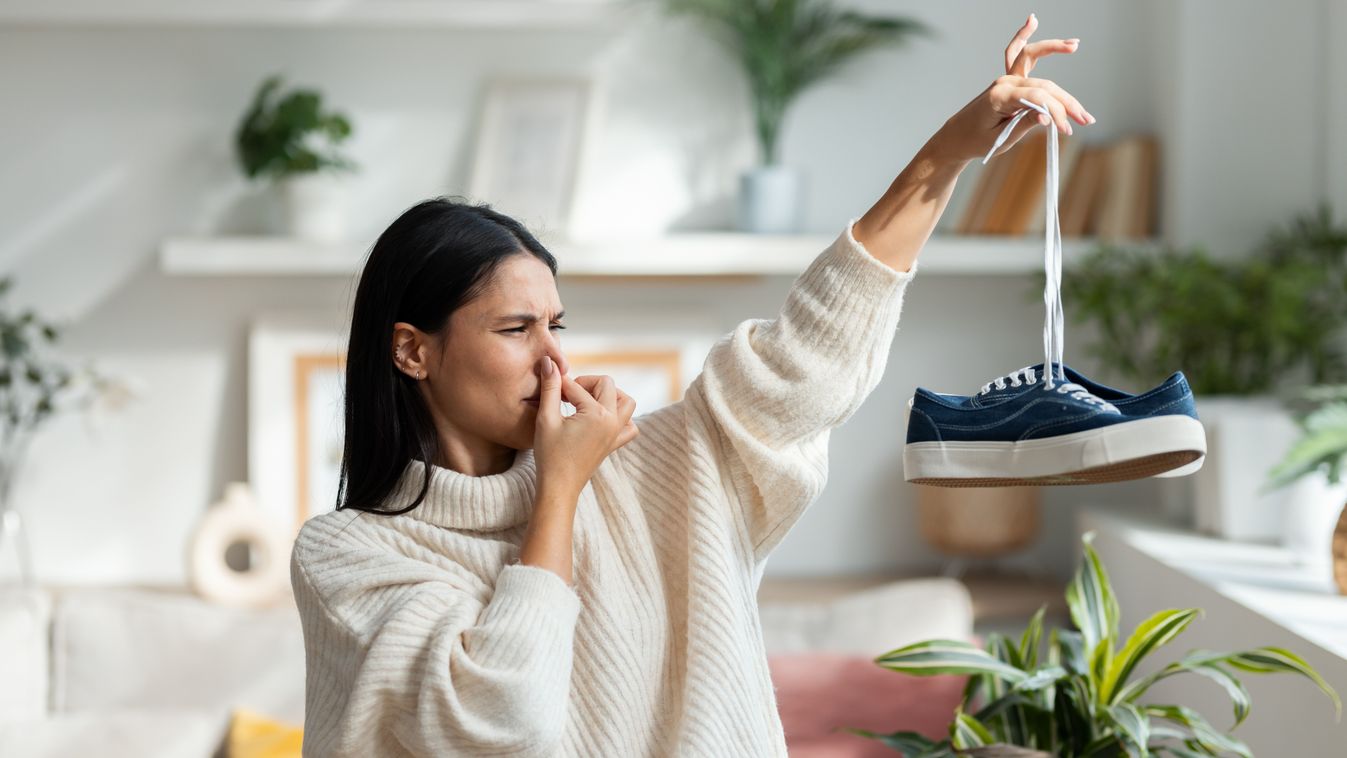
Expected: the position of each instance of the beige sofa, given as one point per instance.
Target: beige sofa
(132, 672)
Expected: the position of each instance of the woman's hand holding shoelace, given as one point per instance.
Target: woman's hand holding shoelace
(972, 131)
(897, 227)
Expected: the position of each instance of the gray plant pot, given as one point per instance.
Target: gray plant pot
(769, 200)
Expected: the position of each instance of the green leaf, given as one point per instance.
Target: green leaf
(934, 657)
(1041, 679)
(1133, 727)
(911, 744)
(1239, 696)
(1029, 641)
(1148, 636)
(965, 731)
(1272, 660)
(1094, 609)
(1324, 441)
(1204, 733)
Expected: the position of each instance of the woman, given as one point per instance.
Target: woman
(584, 585)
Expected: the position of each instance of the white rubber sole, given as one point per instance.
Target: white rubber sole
(1131, 450)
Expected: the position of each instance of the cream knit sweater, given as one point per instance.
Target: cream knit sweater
(425, 636)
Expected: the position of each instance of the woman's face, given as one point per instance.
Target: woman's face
(479, 386)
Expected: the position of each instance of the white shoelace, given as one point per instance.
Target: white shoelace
(1054, 337)
(1029, 375)
(1053, 330)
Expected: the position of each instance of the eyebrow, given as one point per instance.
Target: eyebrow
(527, 318)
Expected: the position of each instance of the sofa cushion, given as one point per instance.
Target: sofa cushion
(128, 648)
(24, 619)
(817, 693)
(871, 621)
(118, 733)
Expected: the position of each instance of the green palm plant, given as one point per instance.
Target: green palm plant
(786, 46)
(1322, 445)
(1078, 697)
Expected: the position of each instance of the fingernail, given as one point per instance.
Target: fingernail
(1089, 117)
(1068, 127)
(547, 366)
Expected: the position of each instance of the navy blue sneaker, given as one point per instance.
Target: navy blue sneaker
(1022, 429)
(1171, 396)
(1033, 428)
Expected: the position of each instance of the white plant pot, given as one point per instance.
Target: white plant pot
(769, 200)
(1246, 437)
(316, 205)
(1310, 514)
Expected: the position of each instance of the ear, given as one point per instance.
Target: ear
(410, 350)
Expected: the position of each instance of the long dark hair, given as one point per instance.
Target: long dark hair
(436, 257)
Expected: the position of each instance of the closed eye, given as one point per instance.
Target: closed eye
(524, 328)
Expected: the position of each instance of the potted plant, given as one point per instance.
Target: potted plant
(291, 140)
(784, 47)
(34, 387)
(1313, 467)
(1241, 331)
(1077, 695)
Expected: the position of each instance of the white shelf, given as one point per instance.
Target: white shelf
(1266, 579)
(471, 14)
(674, 255)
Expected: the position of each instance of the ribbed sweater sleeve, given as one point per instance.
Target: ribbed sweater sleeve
(412, 658)
(776, 388)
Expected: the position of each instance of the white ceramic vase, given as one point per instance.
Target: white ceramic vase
(1310, 513)
(316, 205)
(1246, 437)
(769, 200)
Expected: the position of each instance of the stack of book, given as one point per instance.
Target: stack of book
(1107, 190)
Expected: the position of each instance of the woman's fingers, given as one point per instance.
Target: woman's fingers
(593, 383)
(1022, 55)
(1020, 39)
(1041, 96)
(629, 432)
(576, 394)
(1036, 51)
(1073, 105)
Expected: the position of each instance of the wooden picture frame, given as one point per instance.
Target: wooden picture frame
(296, 377)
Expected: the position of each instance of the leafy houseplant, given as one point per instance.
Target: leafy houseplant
(1314, 466)
(1078, 697)
(1234, 327)
(293, 140)
(784, 47)
(34, 387)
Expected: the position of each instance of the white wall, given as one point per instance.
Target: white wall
(116, 138)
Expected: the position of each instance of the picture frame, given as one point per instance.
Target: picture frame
(533, 136)
(296, 381)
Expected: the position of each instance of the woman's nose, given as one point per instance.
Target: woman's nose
(558, 357)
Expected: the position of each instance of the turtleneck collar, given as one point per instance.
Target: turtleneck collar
(459, 501)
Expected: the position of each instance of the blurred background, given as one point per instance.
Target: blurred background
(188, 190)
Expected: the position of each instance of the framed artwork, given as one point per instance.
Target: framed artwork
(296, 378)
(531, 142)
